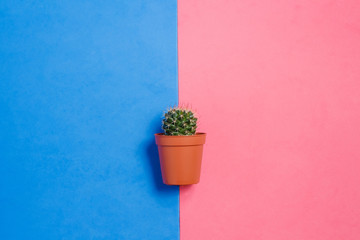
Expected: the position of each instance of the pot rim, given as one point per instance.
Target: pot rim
(183, 140)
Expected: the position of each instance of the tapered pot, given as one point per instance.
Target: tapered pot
(180, 158)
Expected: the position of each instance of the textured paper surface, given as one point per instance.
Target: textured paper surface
(82, 88)
(277, 87)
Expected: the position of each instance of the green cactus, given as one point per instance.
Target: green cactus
(179, 122)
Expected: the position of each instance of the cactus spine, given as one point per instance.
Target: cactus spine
(179, 122)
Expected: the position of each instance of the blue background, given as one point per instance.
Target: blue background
(83, 86)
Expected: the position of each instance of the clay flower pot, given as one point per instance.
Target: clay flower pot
(180, 158)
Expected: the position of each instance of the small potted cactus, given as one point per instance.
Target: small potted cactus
(180, 147)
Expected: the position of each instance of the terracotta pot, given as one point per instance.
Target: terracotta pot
(180, 158)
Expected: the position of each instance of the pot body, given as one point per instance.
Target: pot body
(180, 158)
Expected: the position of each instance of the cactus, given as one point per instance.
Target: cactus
(179, 122)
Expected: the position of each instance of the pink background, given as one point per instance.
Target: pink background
(277, 88)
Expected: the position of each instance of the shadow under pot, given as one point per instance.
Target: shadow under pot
(180, 158)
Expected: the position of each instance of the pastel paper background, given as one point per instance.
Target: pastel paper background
(277, 87)
(83, 85)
